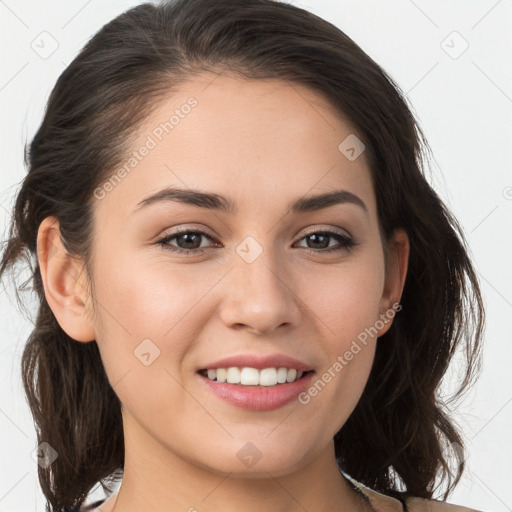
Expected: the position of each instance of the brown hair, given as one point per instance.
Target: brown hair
(395, 439)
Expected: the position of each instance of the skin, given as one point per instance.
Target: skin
(264, 144)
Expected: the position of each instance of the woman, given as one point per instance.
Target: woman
(249, 292)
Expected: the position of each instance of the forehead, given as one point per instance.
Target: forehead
(256, 141)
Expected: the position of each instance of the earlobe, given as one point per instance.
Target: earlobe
(396, 272)
(63, 282)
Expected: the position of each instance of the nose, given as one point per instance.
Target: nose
(260, 296)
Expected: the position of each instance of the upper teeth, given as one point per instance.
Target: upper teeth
(254, 377)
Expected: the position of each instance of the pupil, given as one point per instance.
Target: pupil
(190, 235)
(316, 237)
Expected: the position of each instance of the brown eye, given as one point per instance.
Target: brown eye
(188, 241)
(318, 241)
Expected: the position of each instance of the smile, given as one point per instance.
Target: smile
(247, 376)
(265, 395)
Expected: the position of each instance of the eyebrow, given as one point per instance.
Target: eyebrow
(223, 204)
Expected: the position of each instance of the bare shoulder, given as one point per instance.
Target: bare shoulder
(415, 504)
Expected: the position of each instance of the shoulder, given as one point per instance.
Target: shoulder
(384, 503)
(424, 505)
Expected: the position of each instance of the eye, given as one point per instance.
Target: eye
(189, 241)
(321, 238)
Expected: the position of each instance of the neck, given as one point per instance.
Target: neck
(158, 480)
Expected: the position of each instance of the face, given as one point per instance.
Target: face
(255, 280)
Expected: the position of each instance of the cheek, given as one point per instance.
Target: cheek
(144, 299)
(345, 298)
(148, 318)
(152, 314)
(345, 301)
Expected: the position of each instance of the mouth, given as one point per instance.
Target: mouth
(257, 384)
(254, 377)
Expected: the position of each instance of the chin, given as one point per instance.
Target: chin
(257, 459)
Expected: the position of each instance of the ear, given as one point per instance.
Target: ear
(396, 271)
(64, 282)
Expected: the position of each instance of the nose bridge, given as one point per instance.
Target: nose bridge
(261, 298)
(258, 263)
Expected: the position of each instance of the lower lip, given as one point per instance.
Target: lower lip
(258, 398)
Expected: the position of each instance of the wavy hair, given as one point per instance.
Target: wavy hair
(398, 438)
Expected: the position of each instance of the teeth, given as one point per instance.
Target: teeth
(254, 377)
(249, 377)
(268, 377)
(291, 375)
(233, 376)
(282, 373)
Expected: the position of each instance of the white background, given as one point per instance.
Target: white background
(464, 105)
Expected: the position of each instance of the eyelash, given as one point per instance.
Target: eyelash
(346, 242)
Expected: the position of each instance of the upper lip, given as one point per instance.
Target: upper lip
(258, 362)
